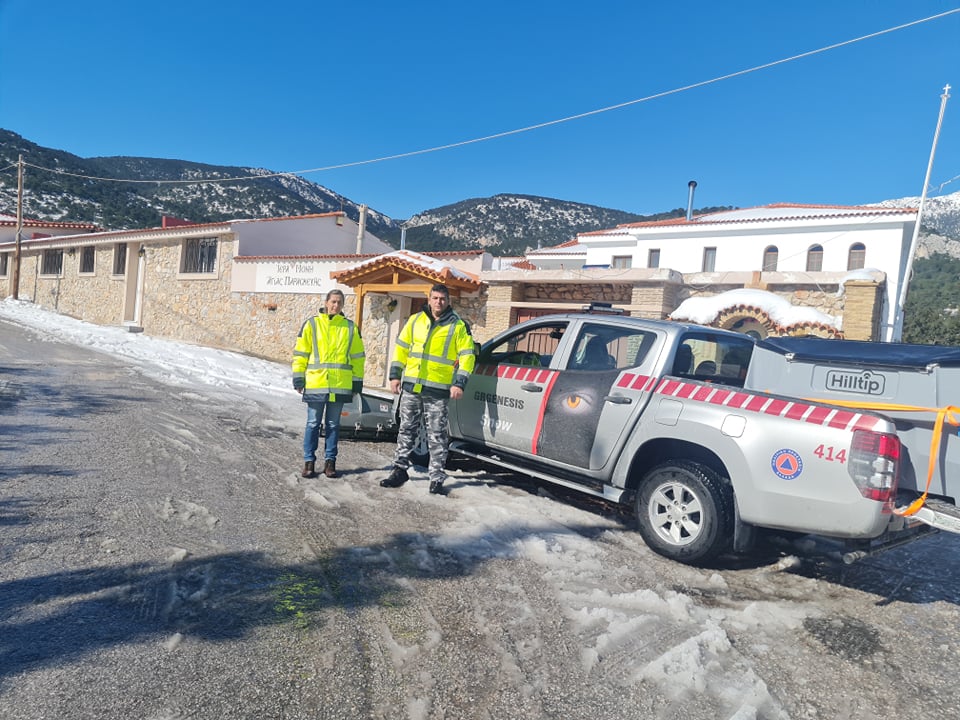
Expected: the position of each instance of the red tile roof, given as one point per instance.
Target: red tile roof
(407, 261)
(7, 221)
(716, 218)
(524, 265)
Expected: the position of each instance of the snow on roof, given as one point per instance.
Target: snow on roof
(570, 247)
(791, 211)
(704, 310)
(765, 213)
(425, 265)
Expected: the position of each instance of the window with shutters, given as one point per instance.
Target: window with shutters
(199, 255)
(857, 257)
(709, 259)
(120, 259)
(815, 258)
(52, 262)
(770, 257)
(86, 260)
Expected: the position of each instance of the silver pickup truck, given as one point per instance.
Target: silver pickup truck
(693, 429)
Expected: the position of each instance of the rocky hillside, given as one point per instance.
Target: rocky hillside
(513, 224)
(68, 194)
(502, 224)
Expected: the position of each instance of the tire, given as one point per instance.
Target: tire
(685, 512)
(420, 456)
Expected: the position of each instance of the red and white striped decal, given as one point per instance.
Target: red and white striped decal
(765, 405)
(516, 372)
(643, 383)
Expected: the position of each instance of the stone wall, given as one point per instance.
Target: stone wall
(862, 308)
(859, 306)
(96, 298)
(654, 300)
(615, 293)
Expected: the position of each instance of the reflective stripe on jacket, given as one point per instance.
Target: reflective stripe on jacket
(329, 356)
(433, 354)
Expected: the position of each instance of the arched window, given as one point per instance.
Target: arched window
(857, 257)
(770, 259)
(815, 258)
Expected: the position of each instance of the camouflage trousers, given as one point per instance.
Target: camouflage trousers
(432, 413)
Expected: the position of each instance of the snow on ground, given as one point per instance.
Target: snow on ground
(632, 615)
(164, 360)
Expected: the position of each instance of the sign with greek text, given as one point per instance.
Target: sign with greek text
(293, 277)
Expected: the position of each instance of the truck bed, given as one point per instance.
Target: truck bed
(905, 382)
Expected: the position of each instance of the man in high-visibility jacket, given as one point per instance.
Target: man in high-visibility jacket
(327, 366)
(433, 358)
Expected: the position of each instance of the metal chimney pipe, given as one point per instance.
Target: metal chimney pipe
(361, 229)
(693, 186)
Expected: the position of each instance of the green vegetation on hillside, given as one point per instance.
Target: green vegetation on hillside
(931, 316)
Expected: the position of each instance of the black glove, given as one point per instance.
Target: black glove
(358, 386)
(299, 383)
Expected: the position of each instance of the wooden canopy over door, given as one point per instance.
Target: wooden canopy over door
(402, 273)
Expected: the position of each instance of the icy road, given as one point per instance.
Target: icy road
(161, 558)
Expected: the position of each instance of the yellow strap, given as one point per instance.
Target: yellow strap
(949, 414)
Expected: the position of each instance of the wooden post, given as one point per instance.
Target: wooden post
(16, 253)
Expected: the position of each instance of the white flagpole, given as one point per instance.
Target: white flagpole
(908, 270)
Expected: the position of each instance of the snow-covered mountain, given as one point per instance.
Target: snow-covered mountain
(506, 224)
(941, 214)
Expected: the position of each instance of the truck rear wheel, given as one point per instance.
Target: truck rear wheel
(685, 512)
(420, 456)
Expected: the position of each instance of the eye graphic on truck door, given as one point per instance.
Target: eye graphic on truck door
(584, 413)
(572, 414)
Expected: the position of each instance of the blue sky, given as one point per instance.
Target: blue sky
(298, 85)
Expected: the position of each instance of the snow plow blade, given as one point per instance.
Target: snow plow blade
(940, 515)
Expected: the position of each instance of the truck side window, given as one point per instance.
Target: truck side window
(736, 361)
(683, 363)
(713, 358)
(605, 347)
(531, 347)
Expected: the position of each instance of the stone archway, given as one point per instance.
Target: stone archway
(759, 325)
(749, 321)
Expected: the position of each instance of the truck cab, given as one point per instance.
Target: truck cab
(566, 391)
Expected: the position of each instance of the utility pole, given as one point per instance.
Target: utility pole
(16, 252)
(908, 270)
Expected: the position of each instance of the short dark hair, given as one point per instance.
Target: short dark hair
(442, 289)
(335, 291)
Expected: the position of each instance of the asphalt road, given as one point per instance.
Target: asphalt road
(160, 558)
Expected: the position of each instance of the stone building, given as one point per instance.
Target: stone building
(249, 285)
(245, 285)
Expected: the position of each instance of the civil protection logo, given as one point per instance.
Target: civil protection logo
(786, 464)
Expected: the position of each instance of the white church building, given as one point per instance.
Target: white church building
(785, 243)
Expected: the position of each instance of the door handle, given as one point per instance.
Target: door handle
(618, 399)
(532, 387)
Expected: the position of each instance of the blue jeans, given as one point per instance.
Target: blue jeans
(331, 430)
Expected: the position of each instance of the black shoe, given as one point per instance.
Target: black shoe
(437, 488)
(309, 471)
(330, 468)
(397, 477)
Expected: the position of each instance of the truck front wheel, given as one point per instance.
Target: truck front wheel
(685, 512)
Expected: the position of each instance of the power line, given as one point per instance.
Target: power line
(528, 128)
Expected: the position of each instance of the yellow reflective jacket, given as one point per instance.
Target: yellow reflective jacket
(431, 355)
(329, 357)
